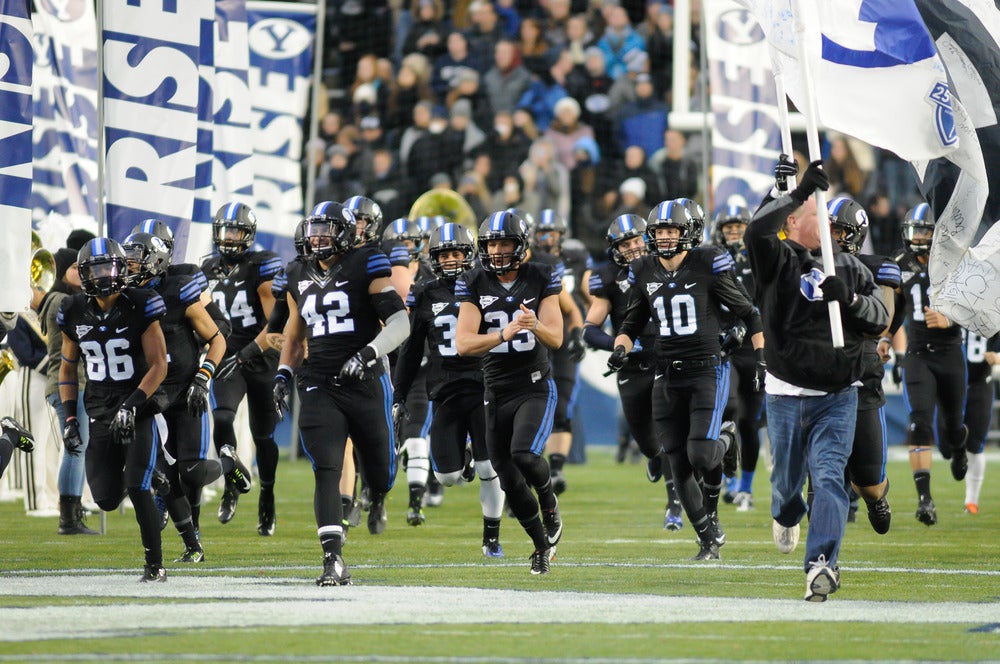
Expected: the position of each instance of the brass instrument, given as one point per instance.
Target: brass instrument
(8, 363)
(36, 241)
(448, 204)
(43, 269)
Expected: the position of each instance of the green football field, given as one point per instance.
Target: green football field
(621, 588)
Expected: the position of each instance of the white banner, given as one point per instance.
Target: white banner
(15, 154)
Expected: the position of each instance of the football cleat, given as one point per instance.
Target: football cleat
(492, 548)
(540, 561)
(731, 457)
(558, 482)
(708, 550)
(376, 514)
(959, 463)
(239, 476)
(717, 533)
(227, 507)
(879, 514)
(335, 572)
(18, 435)
(161, 509)
(971, 508)
(926, 511)
(469, 469)
(821, 581)
(553, 525)
(743, 501)
(654, 468)
(192, 554)
(852, 512)
(265, 514)
(354, 516)
(786, 539)
(153, 574)
(434, 497)
(673, 520)
(415, 514)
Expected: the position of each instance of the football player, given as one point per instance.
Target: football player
(866, 465)
(186, 327)
(13, 436)
(509, 314)
(240, 280)
(682, 288)
(981, 355)
(454, 383)
(934, 371)
(116, 331)
(609, 291)
(339, 300)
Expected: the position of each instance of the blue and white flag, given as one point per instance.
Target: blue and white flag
(876, 73)
(151, 87)
(964, 263)
(15, 154)
(281, 60)
(65, 123)
(746, 134)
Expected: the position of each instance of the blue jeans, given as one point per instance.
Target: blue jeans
(72, 470)
(812, 435)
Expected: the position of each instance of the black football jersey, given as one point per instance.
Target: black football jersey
(610, 282)
(577, 262)
(434, 319)
(398, 253)
(744, 275)
(111, 343)
(234, 290)
(976, 347)
(189, 270)
(685, 304)
(886, 273)
(914, 289)
(336, 307)
(183, 350)
(522, 360)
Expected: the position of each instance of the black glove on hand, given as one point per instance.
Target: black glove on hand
(574, 345)
(759, 369)
(897, 369)
(72, 440)
(814, 178)
(281, 391)
(784, 169)
(197, 395)
(618, 358)
(356, 366)
(123, 426)
(732, 338)
(835, 290)
(229, 365)
(400, 416)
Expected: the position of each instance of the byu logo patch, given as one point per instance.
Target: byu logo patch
(82, 330)
(809, 285)
(438, 307)
(486, 300)
(652, 287)
(303, 285)
(623, 285)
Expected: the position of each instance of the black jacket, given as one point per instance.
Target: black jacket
(797, 339)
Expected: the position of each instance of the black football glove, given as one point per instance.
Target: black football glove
(618, 358)
(897, 369)
(784, 169)
(281, 391)
(197, 395)
(732, 338)
(229, 365)
(72, 440)
(814, 178)
(359, 363)
(759, 370)
(400, 416)
(835, 290)
(123, 426)
(574, 345)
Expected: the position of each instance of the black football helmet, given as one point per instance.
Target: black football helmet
(330, 230)
(529, 219)
(848, 215)
(505, 225)
(103, 267)
(550, 222)
(404, 230)
(451, 237)
(916, 221)
(146, 255)
(368, 211)
(731, 214)
(159, 229)
(427, 224)
(625, 227)
(299, 238)
(234, 229)
(670, 214)
(697, 219)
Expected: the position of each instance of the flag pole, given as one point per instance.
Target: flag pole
(317, 86)
(101, 156)
(812, 134)
(783, 122)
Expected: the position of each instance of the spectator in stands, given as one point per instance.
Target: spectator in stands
(412, 86)
(365, 78)
(336, 180)
(421, 122)
(566, 129)
(512, 194)
(524, 121)
(386, 185)
(448, 66)
(678, 173)
(507, 146)
(360, 28)
(534, 48)
(594, 101)
(428, 154)
(462, 137)
(507, 80)
(546, 177)
(584, 222)
(643, 121)
(579, 38)
(556, 23)
(660, 47)
(485, 32)
(636, 165)
(466, 87)
(632, 198)
(541, 96)
(846, 176)
(884, 224)
(618, 40)
(429, 31)
(510, 19)
(473, 188)
(623, 89)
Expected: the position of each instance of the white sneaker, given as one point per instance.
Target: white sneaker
(821, 581)
(743, 501)
(786, 539)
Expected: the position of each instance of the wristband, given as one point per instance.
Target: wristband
(136, 399)
(536, 325)
(284, 373)
(500, 334)
(207, 369)
(69, 409)
(888, 340)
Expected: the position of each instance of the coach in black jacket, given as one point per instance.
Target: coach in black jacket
(810, 392)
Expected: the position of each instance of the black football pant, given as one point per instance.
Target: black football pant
(458, 417)
(978, 413)
(866, 465)
(258, 387)
(564, 373)
(938, 378)
(748, 407)
(418, 405)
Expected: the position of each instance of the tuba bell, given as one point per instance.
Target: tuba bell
(8, 363)
(447, 203)
(43, 270)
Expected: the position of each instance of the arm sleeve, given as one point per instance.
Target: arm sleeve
(899, 313)
(637, 313)
(395, 332)
(732, 294)
(868, 312)
(596, 337)
(762, 241)
(410, 356)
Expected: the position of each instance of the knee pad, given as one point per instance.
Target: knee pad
(921, 435)
(562, 424)
(194, 473)
(449, 479)
(224, 417)
(703, 454)
(108, 504)
(485, 471)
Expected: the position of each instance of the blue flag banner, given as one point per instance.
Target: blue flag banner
(151, 88)
(965, 257)
(15, 153)
(281, 39)
(746, 136)
(65, 107)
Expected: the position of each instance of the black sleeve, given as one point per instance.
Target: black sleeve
(636, 315)
(225, 327)
(279, 316)
(763, 244)
(868, 313)
(901, 305)
(732, 294)
(410, 356)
